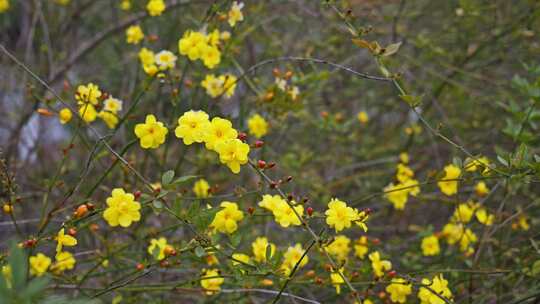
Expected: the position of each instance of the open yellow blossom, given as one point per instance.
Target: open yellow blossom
(151, 133)
(259, 249)
(122, 209)
(39, 264)
(337, 279)
(450, 187)
(430, 245)
(63, 261)
(221, 85)
(88, 113)
(110, 119)
(63, 239)
(257, 125)
(125, 5)
(292, 257)
(522, 223)
(235, 13)
(471, 165)
(155, 7)
(134, 34)
(339, 216)
(65, 116)
(484, 217)
(463, 213)
(399, 289)
(379, 266)
(191, 44)
(165, 60)
(211, 56)
(113, 105)
(362, 117)
(270, 202)
(218, 131)
(201, 188)
(89, 93)
(339, 248)
(226, 220)
(453, 232)
(404, 157)
(146, 56)
(361, 218)
(404, 173)
(4, 5)
(239, 258)
(285, 216)
(481, 189)
(157, 248)
(233, 153)
(361, 247)
(211, 281)
(192, 127)
(439, 288)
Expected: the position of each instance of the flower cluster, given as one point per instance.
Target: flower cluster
(226, 220)
(398, 193)
(198, 45)
(285, 214)
(340, 216)
(218, 135)
(222, 85)
(153, 63)
(89, 99)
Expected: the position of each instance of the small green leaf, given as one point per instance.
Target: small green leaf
(167, 177)
(19, 263)
(199, 251)
(158, 204)
(391, 49)
(184, 179)
(412, 101)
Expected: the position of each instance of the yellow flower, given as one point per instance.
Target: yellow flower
(244, 258)
(379, 266)
(450, 187)
(110, 119)
(134, 34)
(62, 2)
(404, 173)
(257, 125)
(88, 112)
(522, 223)
(361, 218)
(362, 117)
(399, 289)
(361, 247)
(122, 209)
(292, 256)
(63, 239)
(396, 195)
(200, 188)
(39, 264)
(235, 13)
(484, 217)
(466, 240)
(218, 131)
(339, 215)
(211, 56)
(339, 248)
(367, 301)
(89, 93)
(165, 60)
(213, 38)
(211, 281)
(233, 153)
(225, 35)
(463, 213)
(146, 57)
(4, 5)
(439, 288)
(155, 7)
(293, 92)
(192, 44)
(151, 133)
(481, 189)
(471, 165)
(259, 249)
(226, 220)
(192, 127)
(65, 116)
(125, 5)
(158, 246)
(285, 216)
(113, 105)
(213, 85)
(430, 246)
(404, 157)
(63, 261)
(337, 280)
(452, 232)
(150, 69)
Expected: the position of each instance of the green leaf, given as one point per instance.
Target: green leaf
(167, 177)
(19, 264)
(36, 287)
(199, 251)
(391, 49)
(158, 204)
(184, 179)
